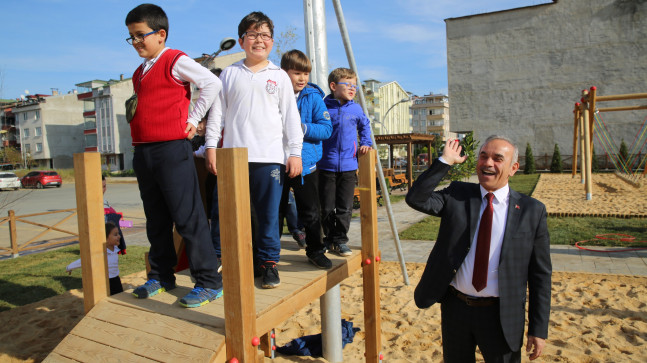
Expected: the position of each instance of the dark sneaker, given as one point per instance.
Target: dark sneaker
(320, 260)
(200, 296)
(341, 249)
(300, 237)
(270, 275)
(152, 287)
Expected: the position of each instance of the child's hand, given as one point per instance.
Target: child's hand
(190, 129)
(210, 160)
(364, 149)
(294, 166)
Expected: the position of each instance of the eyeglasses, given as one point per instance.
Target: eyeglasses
(139, 38)
(253, 36)
(351, 86)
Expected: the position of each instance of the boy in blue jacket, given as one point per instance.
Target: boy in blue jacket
(338, 165)
(316, 125)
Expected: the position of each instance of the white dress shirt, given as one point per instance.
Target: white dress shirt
(188, 70)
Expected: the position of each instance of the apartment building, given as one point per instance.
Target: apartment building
(49, 129)
(388, 107)
(430, 115)
(105, 128)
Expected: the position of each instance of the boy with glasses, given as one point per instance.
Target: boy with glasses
(161, 128)
(259, 112)
(338, 165)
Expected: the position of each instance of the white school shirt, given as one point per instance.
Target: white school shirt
(186, 69)
(258, 112)
(113, 263)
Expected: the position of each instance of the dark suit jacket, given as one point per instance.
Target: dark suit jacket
(525, 252)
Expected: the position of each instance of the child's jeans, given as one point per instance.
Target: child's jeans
(336, 191)
(265, 189)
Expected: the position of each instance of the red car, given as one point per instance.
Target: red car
(41, 178)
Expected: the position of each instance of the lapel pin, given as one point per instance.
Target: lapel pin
(516, 206)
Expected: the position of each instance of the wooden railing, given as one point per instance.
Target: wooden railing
(15, 249)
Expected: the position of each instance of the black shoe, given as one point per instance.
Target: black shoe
(270, 275)
(300, 237)
(320, 260)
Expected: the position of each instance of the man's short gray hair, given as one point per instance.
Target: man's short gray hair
(515, 151)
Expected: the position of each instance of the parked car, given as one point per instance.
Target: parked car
(41, 178)
(9, 181)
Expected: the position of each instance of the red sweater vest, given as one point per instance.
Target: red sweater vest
(162, 102)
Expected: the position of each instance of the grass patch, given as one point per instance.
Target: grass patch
(524, 183)
(32, 278)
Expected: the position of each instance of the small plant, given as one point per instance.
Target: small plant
(556, 163)
(595, 166)
(623, 153)
(529, 168)
(466, 169)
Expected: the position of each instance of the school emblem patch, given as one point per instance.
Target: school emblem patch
(270, 87)
(326, 115)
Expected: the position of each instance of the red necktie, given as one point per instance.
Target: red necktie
(479, 277)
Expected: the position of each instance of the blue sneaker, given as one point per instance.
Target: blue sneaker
(152, 287)
(200, 296)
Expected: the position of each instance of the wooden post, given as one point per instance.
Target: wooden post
(13, 236)
(92, 236)
(409, 164)
(580, 121)
(370, 257)
(575, 131)
(237, 272)
(591, 118)
(587, 153)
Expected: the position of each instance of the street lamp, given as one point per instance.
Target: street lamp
(383, 123)
(225, 44)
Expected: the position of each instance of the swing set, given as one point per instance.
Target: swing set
(588, 122)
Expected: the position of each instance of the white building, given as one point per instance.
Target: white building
(430, 115)
(50, 129)
(388, 107)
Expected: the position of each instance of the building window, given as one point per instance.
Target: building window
(91, 140)
(27, 148)
(39, 147)
(37, 131)
(36, 115)
(25, 132)
(431, 112)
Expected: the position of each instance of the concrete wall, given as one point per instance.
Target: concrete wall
(519, 72)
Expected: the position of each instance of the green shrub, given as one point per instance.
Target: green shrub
(556, 163)
(529, 168)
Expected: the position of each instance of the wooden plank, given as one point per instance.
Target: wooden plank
(371, 274)
(92, 240)
(629, 96)
(162, 325)
(238, 278)
(57, 358)
(136, 342)
(84, 350)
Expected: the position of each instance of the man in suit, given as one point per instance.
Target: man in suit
(492, 243)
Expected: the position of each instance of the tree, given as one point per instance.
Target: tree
(284, 42)
(437, 147)
(556, 163)
(11, 155)
(595, 167)
(623, 154)
(466, 169)
(529, 168)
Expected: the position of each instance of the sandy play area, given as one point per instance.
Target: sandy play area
(595, 318)
(611, 196)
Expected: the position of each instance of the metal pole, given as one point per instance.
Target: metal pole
(317, 49)
(351, 60)
(331, 325)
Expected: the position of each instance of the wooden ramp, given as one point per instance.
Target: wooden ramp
(123, 328)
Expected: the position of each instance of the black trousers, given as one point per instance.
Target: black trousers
(336, 197)
(306, 196)
(464, 327)
(168, 185)
(115, 285)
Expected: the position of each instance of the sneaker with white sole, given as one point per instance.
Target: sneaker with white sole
(152, 287)
(200, 296)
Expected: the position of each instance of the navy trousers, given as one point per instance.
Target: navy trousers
(168, 185)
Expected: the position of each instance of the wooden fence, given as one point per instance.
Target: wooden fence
(36, 242)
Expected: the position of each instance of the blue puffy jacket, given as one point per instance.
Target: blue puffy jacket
(340, 150)
(315, 120)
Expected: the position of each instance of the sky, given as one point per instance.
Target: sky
(55, 44)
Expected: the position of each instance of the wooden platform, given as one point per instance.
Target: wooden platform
(123, 328)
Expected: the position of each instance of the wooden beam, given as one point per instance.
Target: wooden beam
(370, 257)
(622, 108)
(575, 129)
(628, 96)
(92, 236)
(238, 278)
(593, 92)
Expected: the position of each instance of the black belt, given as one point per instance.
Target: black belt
(471, 300)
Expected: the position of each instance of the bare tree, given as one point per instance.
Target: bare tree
(284, 42)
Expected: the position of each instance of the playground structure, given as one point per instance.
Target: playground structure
(230, 329)
(588, 120)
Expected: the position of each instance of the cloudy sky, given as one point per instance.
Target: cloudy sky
(57, 43)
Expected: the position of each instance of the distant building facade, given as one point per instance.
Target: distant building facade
(105, 128)
(519, 72)
(386, 109)
(49, 129)
(430, 115)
